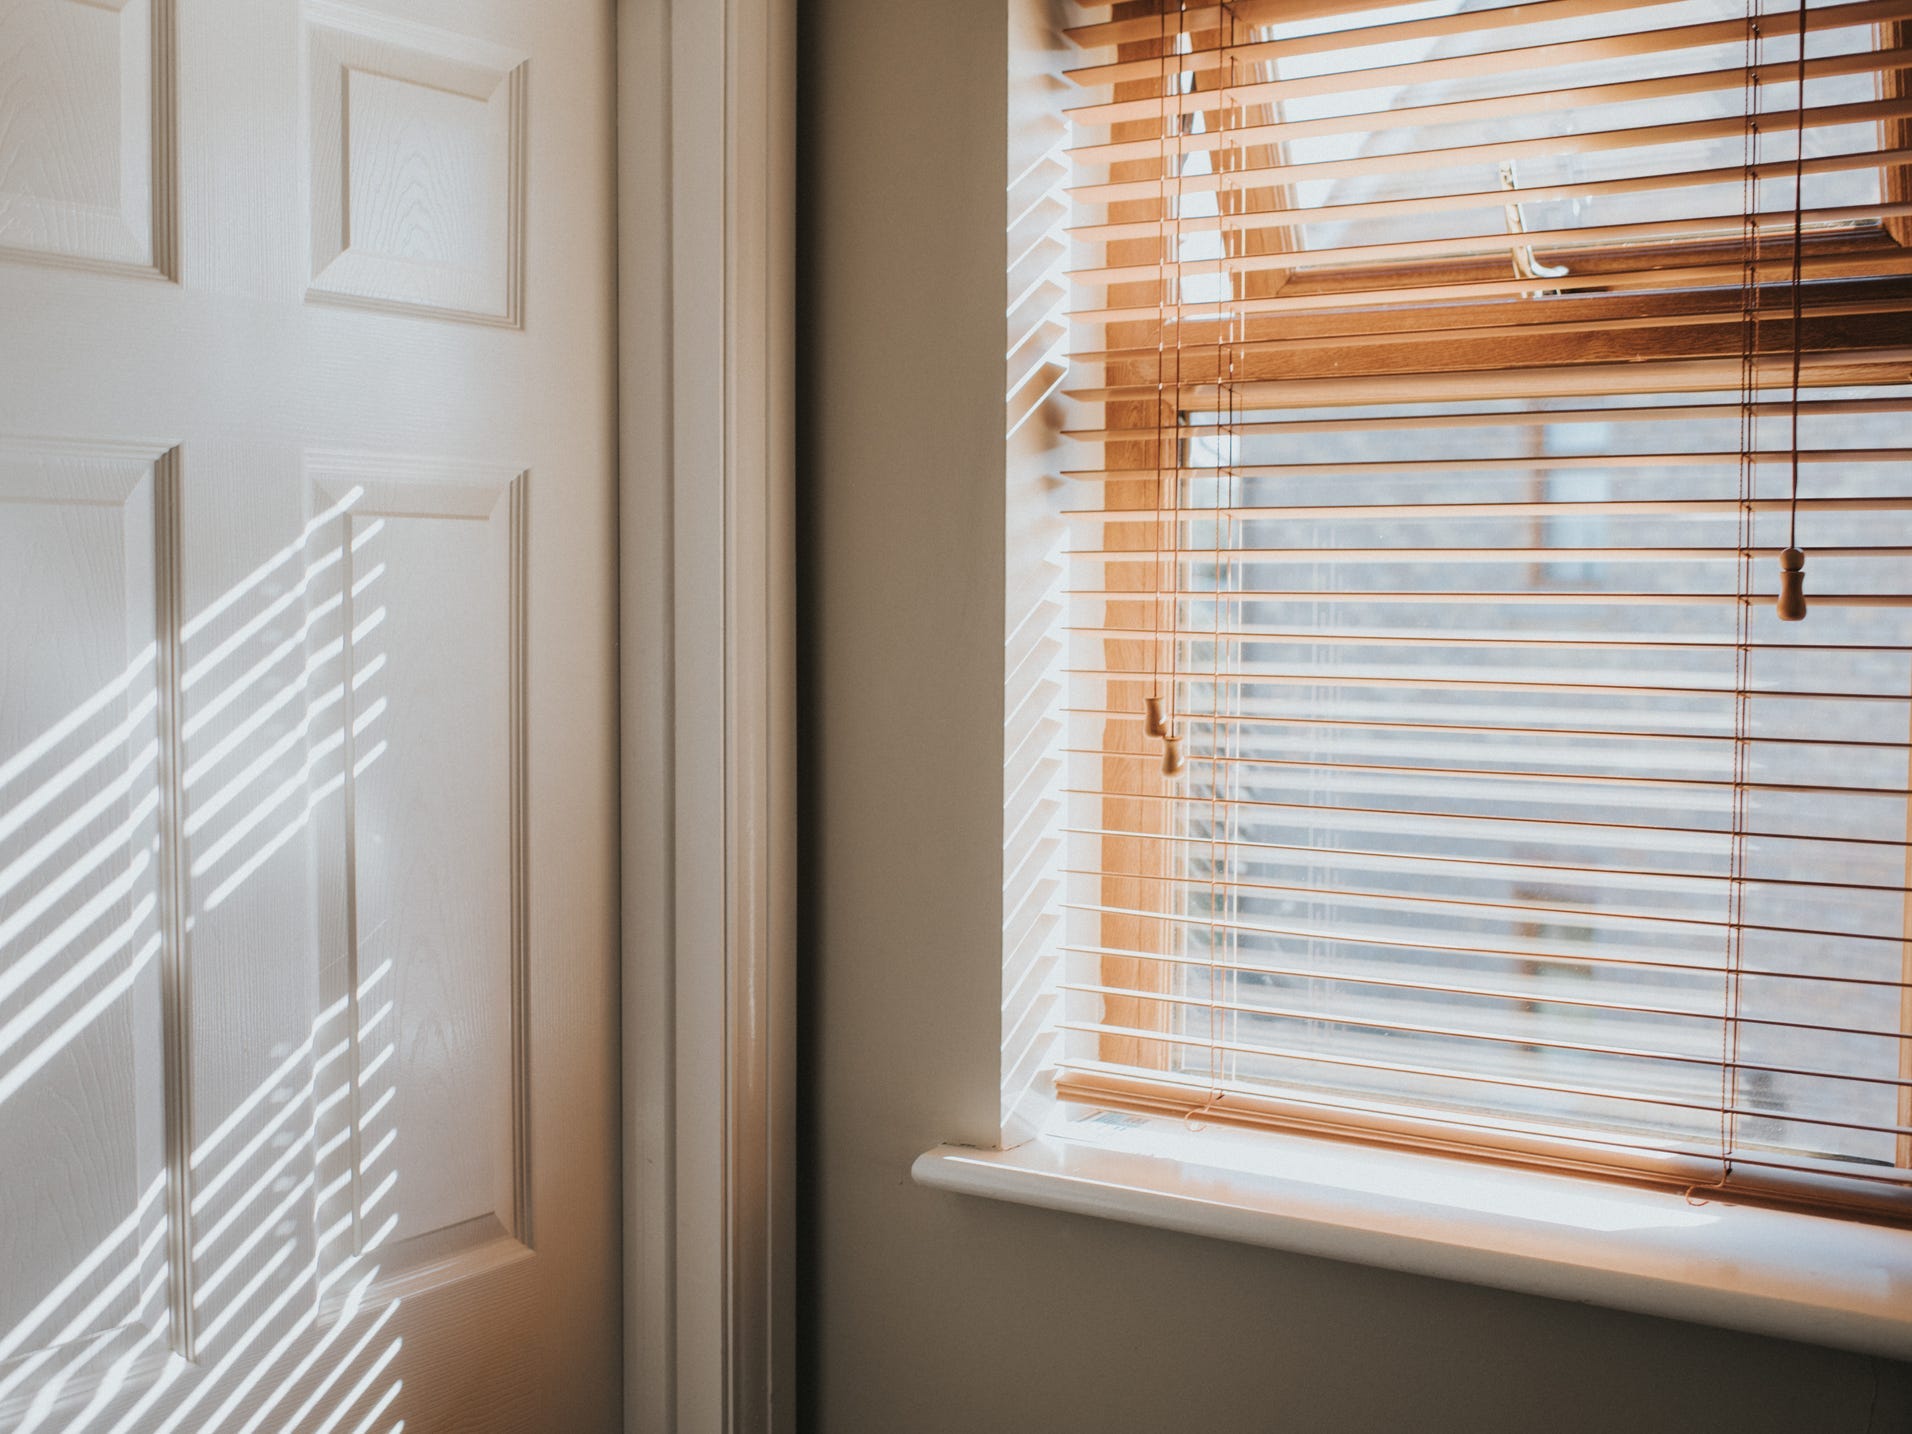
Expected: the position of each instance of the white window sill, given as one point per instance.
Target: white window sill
(1833, 1282)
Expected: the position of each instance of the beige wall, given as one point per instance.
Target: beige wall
(926, 1312)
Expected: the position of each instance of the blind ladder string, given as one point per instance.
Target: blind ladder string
(1747, 475)
(1221, 434)
(1222, 532)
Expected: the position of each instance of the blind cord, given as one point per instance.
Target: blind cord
(1792, 563)
(1173, 759)
(1155, 724)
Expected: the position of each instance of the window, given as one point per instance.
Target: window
(1445, 358)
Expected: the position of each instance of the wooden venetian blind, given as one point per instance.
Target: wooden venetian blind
(1445, 354)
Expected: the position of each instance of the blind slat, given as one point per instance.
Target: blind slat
(1551, 243)
(1207, 18)
(1528, 598)
(1442, 638)
(1355, 899)
(1178, 107)
(1368, 901)
(1482, 463)
(1253, 176)
(1551, 553)
(1477, 1077)
(1527, 103)
(1539, 992)
(1482, 780)
(1279, 218)
(1328, 1017)
(1353, 330)
(1812, 408)
(1328, 809)
(1225, 113)
(1434, 287)
(1335, 677)
(1503, 729)
(1585, 871)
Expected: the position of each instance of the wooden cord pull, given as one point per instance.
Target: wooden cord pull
(1172, 759)
(1153, 723)
(1792, 585)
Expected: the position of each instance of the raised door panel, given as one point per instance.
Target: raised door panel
(85, 930)
(425, 873)
(253, 705)
(85, 132)
(416, 141)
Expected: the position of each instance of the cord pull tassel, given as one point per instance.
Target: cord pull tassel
(1153, 723)
(1792, 586)
(1172, 759)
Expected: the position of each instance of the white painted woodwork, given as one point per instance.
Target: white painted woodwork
(707, 114)
(308, 845)
(426, 887)
(81, 1067)
(417, 181)
(86, 145)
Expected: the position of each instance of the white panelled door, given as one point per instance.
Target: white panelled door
(308, 1111)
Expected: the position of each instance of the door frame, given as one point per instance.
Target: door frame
(707, 117)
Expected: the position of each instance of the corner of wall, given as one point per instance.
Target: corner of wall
(1036, 415)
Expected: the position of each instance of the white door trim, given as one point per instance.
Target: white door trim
(706, 115)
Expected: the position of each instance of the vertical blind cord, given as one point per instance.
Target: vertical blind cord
(1152, 708)
(1798, 264)
(1792, 563)
(1172, 759)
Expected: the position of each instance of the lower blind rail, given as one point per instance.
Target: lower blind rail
(1753, 1175)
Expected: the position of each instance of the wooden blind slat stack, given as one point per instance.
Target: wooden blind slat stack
(1443, 353)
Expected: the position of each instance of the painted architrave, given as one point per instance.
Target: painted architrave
(706, 114)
